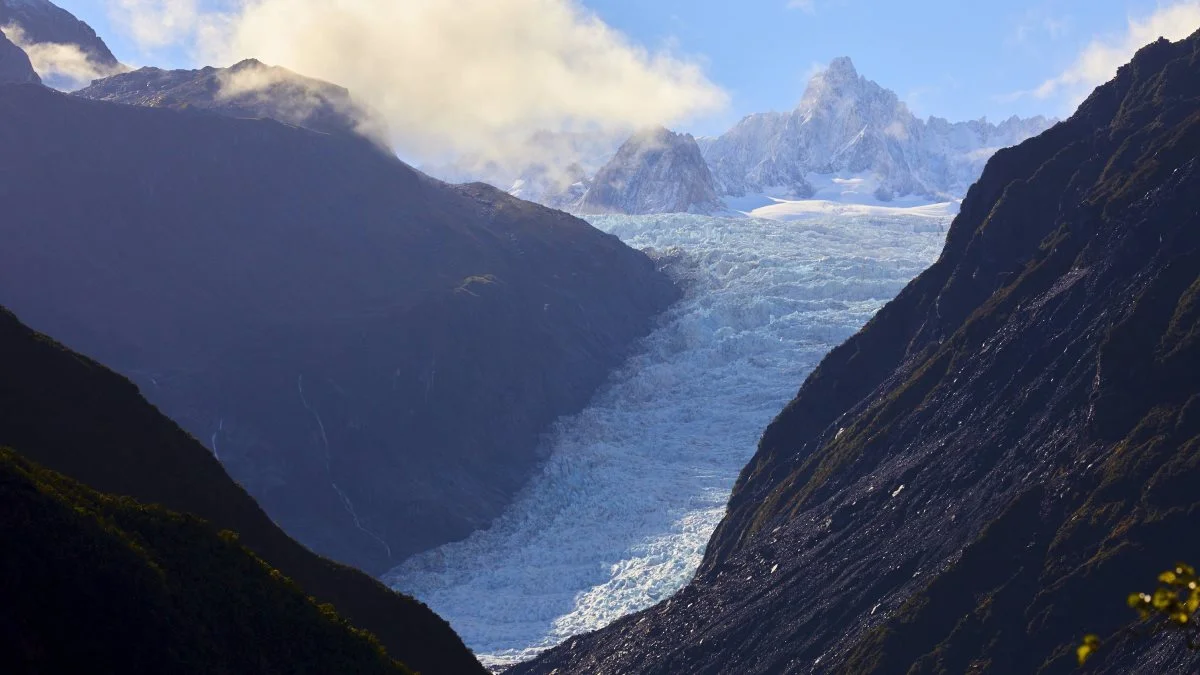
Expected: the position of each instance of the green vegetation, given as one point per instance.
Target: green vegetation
(1173, 605)
(73, 416)
(99, 583)
(1047, 361)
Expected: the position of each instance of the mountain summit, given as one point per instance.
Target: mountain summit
(655, 171)
(847, 126)
(978, 477)
(65, 50)
(849, 139)
(248, 89)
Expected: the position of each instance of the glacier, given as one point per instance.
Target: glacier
(633, 486)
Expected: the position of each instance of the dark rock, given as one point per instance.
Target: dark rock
(370, 352)
(14, 64)
(984, 472)
(40, 21)
(247, 89)
(90, 599)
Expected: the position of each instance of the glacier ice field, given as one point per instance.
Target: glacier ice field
(633, 486)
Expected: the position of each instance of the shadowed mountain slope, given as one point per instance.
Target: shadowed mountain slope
(1007, 449)
(97, 583)
(248, 89)
(372, 353)
(14, 64)
(44, 22)
(74, 416)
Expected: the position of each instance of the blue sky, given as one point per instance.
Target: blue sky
(948, 58)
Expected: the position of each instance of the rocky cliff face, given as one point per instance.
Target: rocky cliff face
(77, 599)
(14, 64)
(1007, 449)
(370, 352)
(848, 125)
(66, 50)
(248, 89)
(655, 171)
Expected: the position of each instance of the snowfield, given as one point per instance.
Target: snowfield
(634, 485)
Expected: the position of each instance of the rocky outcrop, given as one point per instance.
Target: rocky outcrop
(655, 171)
(372, 353)
(248, 89)
(66, 49)
(14, 64)
(1011, 446)
(73, 598)
(847, 125)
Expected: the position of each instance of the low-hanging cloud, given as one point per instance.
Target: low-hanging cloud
(61, 65)
(465, 77)
(1099, 60)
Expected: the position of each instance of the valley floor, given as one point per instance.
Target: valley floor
(633, 486)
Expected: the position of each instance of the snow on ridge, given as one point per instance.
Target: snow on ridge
(846, 123)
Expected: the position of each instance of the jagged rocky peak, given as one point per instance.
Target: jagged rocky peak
(14, 64)
(64, 50)
(979, 476)
(849, 126)
(248, 88)
(655, 171)
(840, 79)
(840, 90)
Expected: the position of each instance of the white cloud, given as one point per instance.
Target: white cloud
(1099, 60)
(154, 24)
(809, 6)
(61, 65)
(1037, 25)
(470, 76)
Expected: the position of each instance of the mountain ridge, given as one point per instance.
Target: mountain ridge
(320, 314)
(15, 67)
(849, 126)
(44, 26)
(72, 415)
(102, 583)
(248, 89)
(982, 473)
(655, 171)
(846, 130)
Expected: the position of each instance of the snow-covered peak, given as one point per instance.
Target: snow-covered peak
(655, 171)
(842, 67)
(840, 78)
(839, 88)
(848, 140)
(850, 127)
